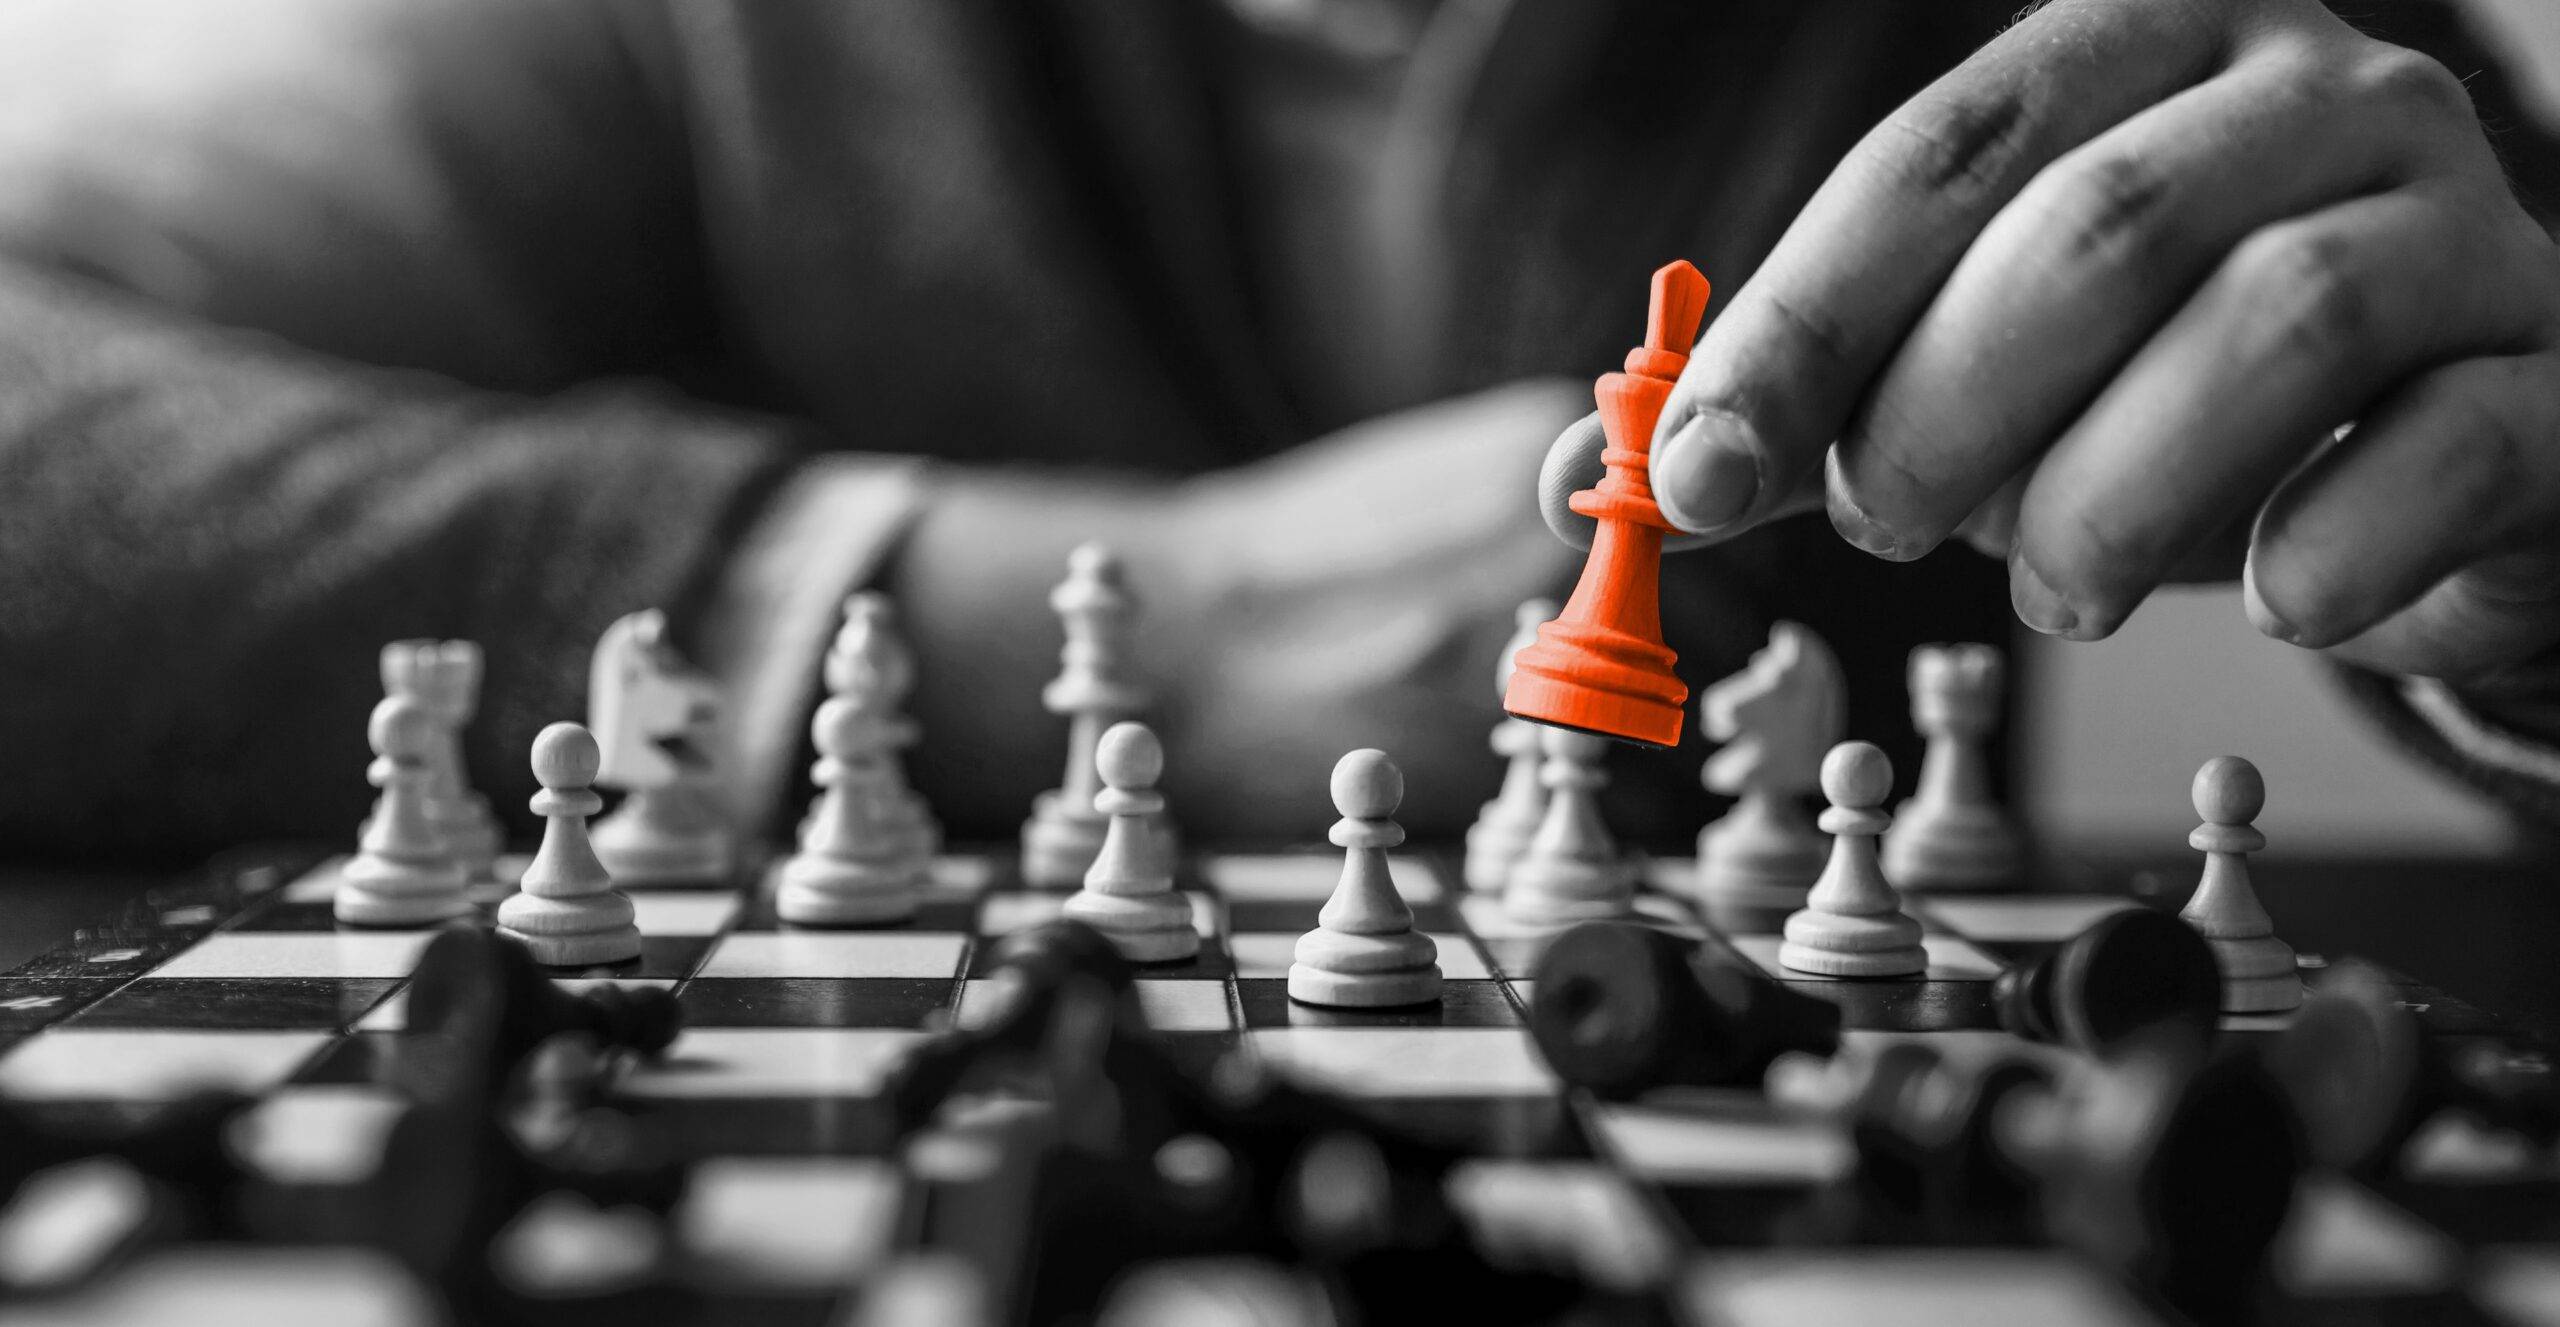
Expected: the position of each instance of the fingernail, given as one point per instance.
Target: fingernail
(2038, 606)
(1860, 529)
(1703, 481)
(2265, 619)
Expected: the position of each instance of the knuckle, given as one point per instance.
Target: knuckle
(2399, 76)
(2305, 292)
(1967, 144)
(2104, 204)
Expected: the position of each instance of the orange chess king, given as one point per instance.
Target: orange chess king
(1601, 665)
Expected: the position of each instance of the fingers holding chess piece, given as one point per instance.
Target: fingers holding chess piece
(2258, 972)
(1364, 952)
(567, 912)
(1623, 1008)
(1128, 893)
(1852, 924)
(404, 872)
(1953, 834)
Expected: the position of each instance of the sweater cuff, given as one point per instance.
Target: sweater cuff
(824, 534)
(2505, 745)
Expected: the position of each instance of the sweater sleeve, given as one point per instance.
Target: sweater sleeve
(324, 324)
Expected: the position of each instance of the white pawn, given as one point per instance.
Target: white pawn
(1364, 952)
(403, 873)
(1094, 691)
(2258, 974)
(1128, 893)
(1852, 924)
(1777, 719)
(863, 858)
(568, 914)
(1503, 828)
(1952, 834)
(1572, 870)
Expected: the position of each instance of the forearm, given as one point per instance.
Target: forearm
(210, 534)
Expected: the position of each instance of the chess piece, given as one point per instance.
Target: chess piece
(1852, 924)
(567, 912)
(869, 637)
(2258, 975)
(1364, 952)
(2129, 973)
(657, 723)
(403, 873)
(1777, 717)
(1572, 870)
(468, 967)
(1128, 893)
(2364, 1074)
(1952, 834)
(1093, 690)
(863, 858)
(1623, 1009)
(1602, 667)
(1925, 1130)
(1502, 829)
(445, 677)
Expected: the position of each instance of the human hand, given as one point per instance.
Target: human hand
(1356, 591)
(2097, 301)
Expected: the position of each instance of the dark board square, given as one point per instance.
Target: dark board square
(1210, 964)
(1907, 1006)
(1491, 1126)
(843, 1002)
(279, 915)
(28, 1003)
(243, 1002)
(673, 956)
(1478, 1004)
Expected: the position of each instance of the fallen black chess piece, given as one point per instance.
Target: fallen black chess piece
(514, 1005)
(2127, 975)
(1621, 1009)
(2364, 1074)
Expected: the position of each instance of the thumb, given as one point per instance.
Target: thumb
(1572, 465)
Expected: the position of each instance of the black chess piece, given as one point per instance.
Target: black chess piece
(196, 1185)
(1622, 1008)
(1030, 969)
(469, 966)
(2175, 1168)
(2364, 1074)
(2126, 974)
(1930, 1162)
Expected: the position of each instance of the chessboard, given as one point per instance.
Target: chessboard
(802, 1202)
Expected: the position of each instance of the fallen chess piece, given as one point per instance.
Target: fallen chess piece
(2364, 1075)
(1923, 1130)
(2127, 974)
(468, 978)
(1623, 1008)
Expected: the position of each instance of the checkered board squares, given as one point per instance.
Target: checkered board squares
(239, 1286)
(392, 1014)
(789, 1032)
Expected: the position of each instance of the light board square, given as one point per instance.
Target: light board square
(1907, 1288)
(788, 1221)
(837, 954)
(316, 1133)
(683, 911)
(769, 1062)
(300, 954)
(139, 1065)
(1722, 1138)
(2344, 1240)
(1409, 1062)
(242, 1285)
(1186, 1006)
(2018, 918)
